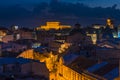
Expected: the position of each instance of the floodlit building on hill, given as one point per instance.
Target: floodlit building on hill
(53, 25)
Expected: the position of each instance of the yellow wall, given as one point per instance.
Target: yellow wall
(66, 73)
(29, 54)
(93, 37)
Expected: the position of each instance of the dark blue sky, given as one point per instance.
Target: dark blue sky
(34, 13)
(92, 3)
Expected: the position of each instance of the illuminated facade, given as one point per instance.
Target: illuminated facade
(2, 34)
(118, 31)
(67, 68)
(29, 54)
(53, 25)
(110, 23)
(64, 47)
(67, 72)
(93, 37)
(98, 26)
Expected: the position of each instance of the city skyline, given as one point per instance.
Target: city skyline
(59, 40)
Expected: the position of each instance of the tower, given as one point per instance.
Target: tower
(110, 23)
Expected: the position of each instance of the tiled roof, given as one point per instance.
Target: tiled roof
(96, 66)
(69, 58)
(81, 63)
(112, 74)
(104, 69)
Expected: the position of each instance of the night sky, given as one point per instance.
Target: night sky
(31, 12)
(95, 3)
(92, 3)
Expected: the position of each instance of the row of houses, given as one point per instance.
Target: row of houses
(21, 68)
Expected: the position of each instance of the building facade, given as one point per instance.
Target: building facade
(53, 25)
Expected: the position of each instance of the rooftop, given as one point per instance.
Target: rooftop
(103, 69)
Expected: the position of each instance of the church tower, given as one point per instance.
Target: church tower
(110, 23)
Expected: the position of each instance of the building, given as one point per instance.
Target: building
(20, 68)
(54, 45)
(30, 43)
(28, 54)
(98, 26)
(115, 44)
(53, 25)
(118, 31)
(73, 67)
(93, 37)
(110, 23)
(12, 47)
(108, 53)
(3, 32)
(8, 38)
(44, 37)
(44, 56)
(24, 33)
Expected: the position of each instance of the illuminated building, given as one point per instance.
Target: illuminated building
(93, 37)
(36, 45)
(28, 54)
(108, 33)
(115, 34)
(98, 26)
(53, 25)
(14, 28)
(2, 34)
(110, 23)
(24, 34)
(77, 38)
(117, 78)
(8, 38)
(118, 31)
(73, 67)
(64, 47)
